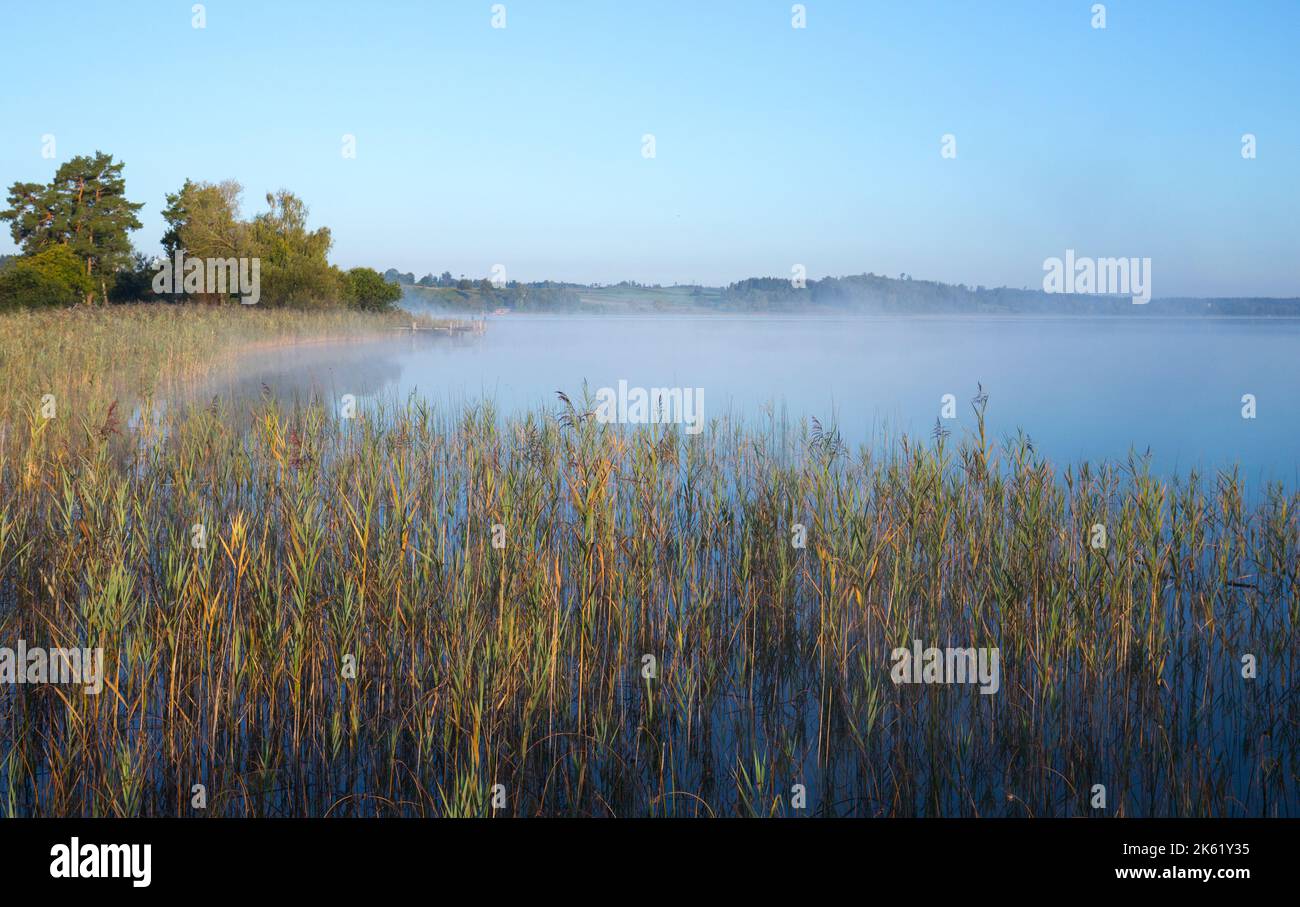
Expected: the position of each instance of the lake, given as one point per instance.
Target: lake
(1081, 389)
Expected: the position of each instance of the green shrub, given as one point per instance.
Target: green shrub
(366, 288)
(52, 277)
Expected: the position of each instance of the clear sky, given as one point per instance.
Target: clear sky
(773, 145)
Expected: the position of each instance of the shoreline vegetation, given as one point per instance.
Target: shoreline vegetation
(89, 359)
(427, 611)
(862, 294)
(73, 234)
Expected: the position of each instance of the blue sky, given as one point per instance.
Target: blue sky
(774, 146)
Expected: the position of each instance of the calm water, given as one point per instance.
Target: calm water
(1080, 388)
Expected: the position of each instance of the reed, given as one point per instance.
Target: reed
(369, 542)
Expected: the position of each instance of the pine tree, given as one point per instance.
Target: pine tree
(84, 208)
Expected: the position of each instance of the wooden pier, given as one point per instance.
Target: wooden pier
(452, 328)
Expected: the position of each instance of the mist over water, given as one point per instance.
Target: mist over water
(1081, 389)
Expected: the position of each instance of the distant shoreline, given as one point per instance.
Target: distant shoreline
(729, 315)
(866, 295)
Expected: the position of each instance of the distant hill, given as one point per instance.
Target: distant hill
(866, 294)
(873, 294)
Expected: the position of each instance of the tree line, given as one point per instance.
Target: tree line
(73, 235)
(876, 294)
(463, 294)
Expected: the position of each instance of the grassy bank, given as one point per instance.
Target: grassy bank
(87, 359)
(641, 636)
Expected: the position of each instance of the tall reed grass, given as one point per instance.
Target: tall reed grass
(336, 542)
